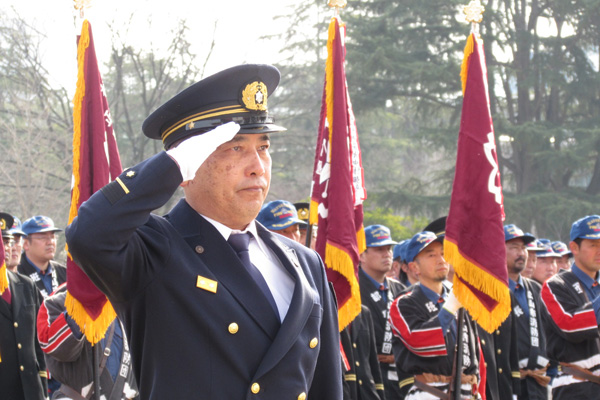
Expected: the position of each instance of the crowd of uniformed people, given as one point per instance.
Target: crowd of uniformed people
(401, 345)
(222, 299)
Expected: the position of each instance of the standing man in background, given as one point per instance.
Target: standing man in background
(40, 248)
(572, 302)
(377, 292)
(527, 314)
(17, 249)
(23, 373)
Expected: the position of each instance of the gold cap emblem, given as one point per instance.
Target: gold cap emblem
(254, 96)
(2, 224)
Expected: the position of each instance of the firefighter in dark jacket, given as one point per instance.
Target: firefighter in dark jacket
(572, 302)
(377, 292)
(23, 373)
(424, 322)
(527, 315)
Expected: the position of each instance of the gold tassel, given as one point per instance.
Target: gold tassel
(94, 330)
(361, 240)
(339, 261)
(464, 69)
(3, 278)
(481, 280)
(84, 42)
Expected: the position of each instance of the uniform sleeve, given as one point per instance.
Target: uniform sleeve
(373, 361)
(572, 321)
(114, 239)
(55, 334)
(41, 360)
(420, 332)
(514, 352)
(328, 371)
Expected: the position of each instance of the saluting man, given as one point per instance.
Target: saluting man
(214, 305)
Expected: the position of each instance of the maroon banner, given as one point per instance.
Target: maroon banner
(96, 162)
(338, 189)
(474, 242)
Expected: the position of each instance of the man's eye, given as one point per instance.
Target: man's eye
(236, 148)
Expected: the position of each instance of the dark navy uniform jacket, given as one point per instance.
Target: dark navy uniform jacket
(531, 338)
(22, 366)
(380, 308)
(197, 325)
(572, 332)
(501, 355)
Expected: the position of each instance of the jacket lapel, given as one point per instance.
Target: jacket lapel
(304, 300)
(16, 288)
(220, 259)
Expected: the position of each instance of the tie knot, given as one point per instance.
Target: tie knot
(595, 284)
(441, 300)
(517, 286)
(382, 288)
(239, 241)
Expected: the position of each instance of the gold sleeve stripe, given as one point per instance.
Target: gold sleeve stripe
(122, 185)
(44, 374)
(516, 374)
(350, 377)
(379, 386)
(407, 381)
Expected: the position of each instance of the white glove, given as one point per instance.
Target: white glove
(192, 152)
(452, 304)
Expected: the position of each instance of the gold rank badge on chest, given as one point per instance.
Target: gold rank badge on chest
(207, 284)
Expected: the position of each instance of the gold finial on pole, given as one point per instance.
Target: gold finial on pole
(337, 4)
(474, 14)
(81, 5)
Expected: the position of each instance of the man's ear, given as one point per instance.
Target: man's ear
(574, 247)
(413, 266)
(362, 256)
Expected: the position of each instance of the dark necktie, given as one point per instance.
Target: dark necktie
(239, 242)
(7, 296)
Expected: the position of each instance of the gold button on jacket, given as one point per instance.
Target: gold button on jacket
(255, 388)
(233, 328)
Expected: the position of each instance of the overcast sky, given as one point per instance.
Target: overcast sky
(240, 24)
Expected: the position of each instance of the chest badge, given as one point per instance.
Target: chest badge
(207, 284)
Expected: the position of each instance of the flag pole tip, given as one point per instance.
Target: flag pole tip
(81, 5)
(474, 15)
(337, 4)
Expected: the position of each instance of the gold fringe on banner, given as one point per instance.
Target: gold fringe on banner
(464, 69)
(480, 279)
(361, 240)
(338, 260)
(84, 42)
(329, 76)
(93, 329)
(3, 278)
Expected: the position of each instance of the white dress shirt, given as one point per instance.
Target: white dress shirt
(278, 279)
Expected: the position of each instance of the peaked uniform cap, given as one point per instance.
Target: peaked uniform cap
(6, 222)
(238, 94)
